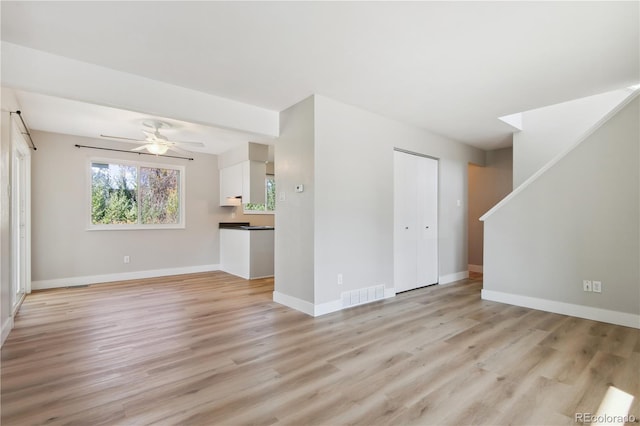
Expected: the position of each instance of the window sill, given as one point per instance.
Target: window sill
(133, 227)
(272, 212)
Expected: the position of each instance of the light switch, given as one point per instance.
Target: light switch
(299, 188)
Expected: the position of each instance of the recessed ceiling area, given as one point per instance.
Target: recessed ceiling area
(450, 67)
(58, 115)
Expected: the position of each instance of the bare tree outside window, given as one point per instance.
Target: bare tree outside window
(159, 201)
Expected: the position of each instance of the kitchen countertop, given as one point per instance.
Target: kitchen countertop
(244, 226)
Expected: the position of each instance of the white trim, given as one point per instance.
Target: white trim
(475, 268)
(20, 179)
(389, 292)
(563, 154)
(580, 311)
(182, 224)
(247, 212)
(321, 308)
(259, 278)
(456, 276)
(293, 303)
(122, 276)
(6, 329)
(329, 307)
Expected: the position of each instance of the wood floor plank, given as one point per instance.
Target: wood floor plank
(211, 348)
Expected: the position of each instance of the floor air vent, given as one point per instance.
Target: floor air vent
(362, 295)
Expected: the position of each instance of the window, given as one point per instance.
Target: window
(127, 195)
(270, 196)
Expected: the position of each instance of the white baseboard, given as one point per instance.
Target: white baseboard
(321, 308)
(389, 292)
(122, 276)
(293, 303)
(580, 311)
(327, 307)
(450, 278)
(6, 329)
(475, 268)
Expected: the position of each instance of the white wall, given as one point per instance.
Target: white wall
(236, 214)
(294, 235)
(551, 130)
(487, 186)
(578, 220)
(63, 251)
(354, 197)
(347, 170)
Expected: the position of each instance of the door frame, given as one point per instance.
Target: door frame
(20, 218)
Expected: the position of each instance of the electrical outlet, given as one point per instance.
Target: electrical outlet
(586, 285)
(597, 286)
(127, 259)
(339, 279)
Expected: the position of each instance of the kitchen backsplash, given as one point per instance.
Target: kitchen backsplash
(254, 219)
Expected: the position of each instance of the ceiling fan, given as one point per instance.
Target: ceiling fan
(155, 142)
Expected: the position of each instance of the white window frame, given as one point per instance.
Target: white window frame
(265, 211)
(138, 226)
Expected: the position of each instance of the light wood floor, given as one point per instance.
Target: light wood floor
(209, 349)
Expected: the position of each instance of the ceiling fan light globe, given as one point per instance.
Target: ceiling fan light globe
(157, 149)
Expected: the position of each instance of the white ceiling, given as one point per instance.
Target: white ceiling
(59, 115)
(451, 67)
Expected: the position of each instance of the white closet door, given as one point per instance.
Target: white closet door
(415, 221)
(406, 222)
(428, 217)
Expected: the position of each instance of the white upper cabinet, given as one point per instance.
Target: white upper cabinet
(244, 180)
(243, 172)
(231, 185)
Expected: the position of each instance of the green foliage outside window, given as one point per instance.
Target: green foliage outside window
(129, 195)
(270, 197)
(271, 193)
(113, 194)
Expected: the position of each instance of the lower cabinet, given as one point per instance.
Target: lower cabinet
(247, 253)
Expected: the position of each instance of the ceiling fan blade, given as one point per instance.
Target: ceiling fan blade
(140, 148)
(179, 150)
(149, 136)
(199, 144)
(121, 138)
